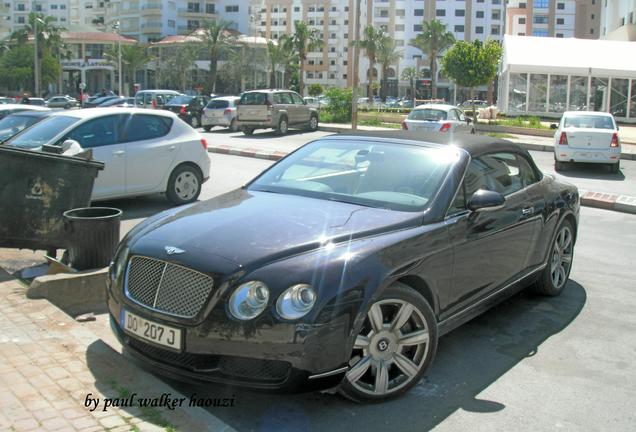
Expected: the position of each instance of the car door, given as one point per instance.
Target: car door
(302, 109)
(150, 152)
(491, 246)
(104, 136)
(287, 103)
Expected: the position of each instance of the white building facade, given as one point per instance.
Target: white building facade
(617, 20)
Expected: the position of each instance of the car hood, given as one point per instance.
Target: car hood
(249, 228)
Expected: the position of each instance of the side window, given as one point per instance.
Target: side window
(460, 115)
(98, 132)
(287, 98)
(452, 115)
(459, 203)
(146, 126)
(278, 98)
(160, 100)
(148, 99)
(507, 173)
(475, 178)
(139, 99)
(297, 99)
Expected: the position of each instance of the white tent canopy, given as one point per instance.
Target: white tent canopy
(546, 76)
(569, 56)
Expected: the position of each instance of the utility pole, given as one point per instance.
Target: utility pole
(120, 90)
(36, 63)
(356, 66)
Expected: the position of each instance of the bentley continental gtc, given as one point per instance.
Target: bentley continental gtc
(341, 265)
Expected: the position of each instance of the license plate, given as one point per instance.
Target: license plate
(151, 331)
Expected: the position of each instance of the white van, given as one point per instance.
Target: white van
(145, 98)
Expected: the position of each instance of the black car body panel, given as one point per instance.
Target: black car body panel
(349, 254)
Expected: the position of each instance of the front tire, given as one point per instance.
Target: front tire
(394, 347)
(234, 125)
(558, 165)
(313, 124)
(184, 185)
(556, 274)
(247, 130)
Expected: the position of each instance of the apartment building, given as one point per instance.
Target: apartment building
(401, 19)
(617, 20)
(144, 20)
(554, 18)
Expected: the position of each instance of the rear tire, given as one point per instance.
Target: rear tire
(247, 130)
(207, 128)
(184, 185)
(234, 125)
(615, 168)
(556, 274)
(313, 123)
(558, 165)
(388, 361)
(195, 122)
(282, 127)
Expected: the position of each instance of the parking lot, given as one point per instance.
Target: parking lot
(531, 363)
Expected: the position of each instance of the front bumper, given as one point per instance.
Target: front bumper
(265, 356)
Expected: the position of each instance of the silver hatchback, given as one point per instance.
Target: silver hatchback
(438, 118)
(220, 111)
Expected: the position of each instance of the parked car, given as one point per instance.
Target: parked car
(100, 100)
(62, 102)
(438, 118)
(16, 122)
(276, 109)
(145, 152)
(154, 98)
(221, 111)
(315, 102)
(188, 108)
(468, 104)
(6, 109)
(587, 136)
(119, 102)
(363, 251)
(33, 101)
(6, 100)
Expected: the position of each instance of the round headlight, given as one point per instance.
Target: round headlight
(118, 265)
(249, 300)
(296, 301)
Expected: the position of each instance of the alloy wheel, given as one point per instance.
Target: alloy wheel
(313, 123)
(186, 185)
(390, 349)
(561, 257)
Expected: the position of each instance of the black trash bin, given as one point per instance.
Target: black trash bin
(93, 235)
(35, 189)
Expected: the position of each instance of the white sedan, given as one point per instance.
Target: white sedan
(144, 151)
(587, 136)
(438, 118)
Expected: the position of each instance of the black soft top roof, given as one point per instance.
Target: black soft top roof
(475, 145)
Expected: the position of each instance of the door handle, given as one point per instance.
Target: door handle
(118, 152)
(527, 211)
(172, 147)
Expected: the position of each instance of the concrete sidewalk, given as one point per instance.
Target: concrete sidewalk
(50, 364)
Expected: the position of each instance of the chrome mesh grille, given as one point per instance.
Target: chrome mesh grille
(167, 287)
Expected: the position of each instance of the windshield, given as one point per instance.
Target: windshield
(428, 114)
(393, 176)
(589, 122)
(181, 100)
(13, 124)
(42, 132)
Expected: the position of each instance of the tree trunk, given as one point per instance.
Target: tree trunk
(213, 74)
(433, 67)
(272, 77)
(491, 89)
(472, 97)
(301, 76)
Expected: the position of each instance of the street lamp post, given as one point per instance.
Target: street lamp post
(36, 63)
(119, 59)
(356, 57)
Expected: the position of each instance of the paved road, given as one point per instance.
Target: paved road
(529, 364)
(586, 176)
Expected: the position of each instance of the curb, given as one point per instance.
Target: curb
(620, 203)
(527, 146)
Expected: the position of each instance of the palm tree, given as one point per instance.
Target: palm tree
(281, 54)
(304, 40)
(218, 42)
(410, 74)
(432, 41)
(388, 54)
(373, 40)
(133, 58)
(180, 63)
(274, 55)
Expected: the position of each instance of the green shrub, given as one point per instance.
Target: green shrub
(315, 90)
(338, 110)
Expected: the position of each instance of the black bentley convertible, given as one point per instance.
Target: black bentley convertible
(342, 264)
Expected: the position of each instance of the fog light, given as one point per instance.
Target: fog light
(296, 301)
(249, 300)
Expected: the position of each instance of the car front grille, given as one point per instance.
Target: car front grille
(240, 368)
(167, 287)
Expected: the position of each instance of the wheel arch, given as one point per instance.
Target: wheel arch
(423, 288)
(179, 165)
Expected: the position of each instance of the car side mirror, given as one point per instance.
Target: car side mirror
(486, 200)
(554, 126)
